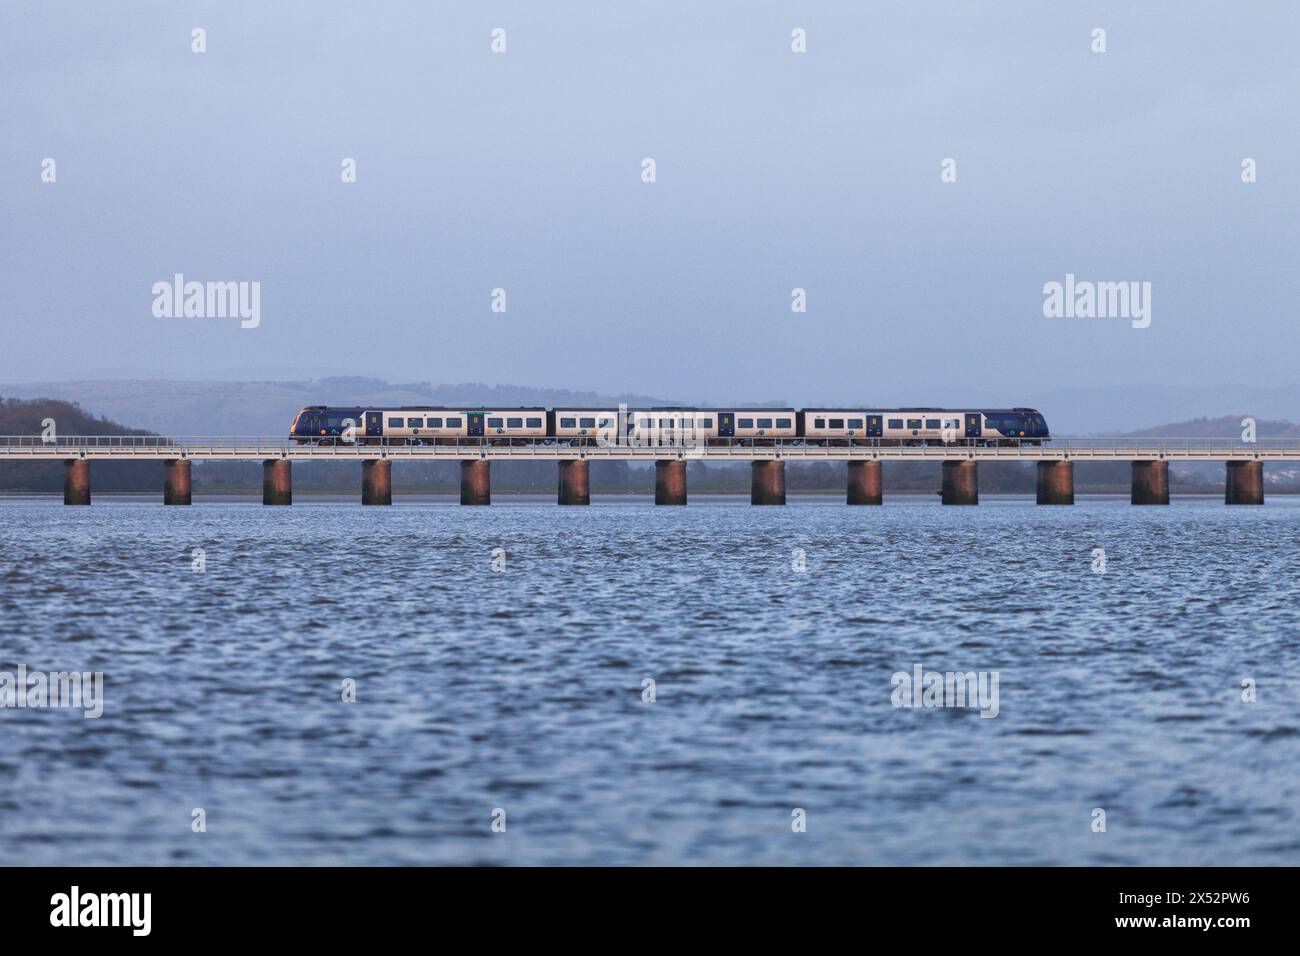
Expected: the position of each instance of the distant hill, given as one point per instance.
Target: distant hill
(1225, 426)
(1117, 410)
(19, 417)
(1229, 428)
(267, 408)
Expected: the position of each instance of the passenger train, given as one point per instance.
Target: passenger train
(429, 425)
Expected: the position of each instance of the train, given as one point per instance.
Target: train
(667, 425)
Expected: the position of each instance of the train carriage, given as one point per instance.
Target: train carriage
(947, 426)
(418, 425)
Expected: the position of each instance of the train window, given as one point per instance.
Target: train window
(495, 422)
(855, 423)
(453, 423)
(394, 423)
(914, 423)
(587, 423)
(819, 423)
(837, 423)
(744, 423)
(514, 423)
(568, 423)
(952, 423)
(932, 423)
(645, 423)
(784, 423)
(895, 423)
(1007, 424)
(534, 423)
(665, 423)
(415, 423)
(435, 422)
(706, 422)
(765, 423)
(688, 423)
(604, 422)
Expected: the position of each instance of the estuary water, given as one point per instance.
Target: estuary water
(521, 695)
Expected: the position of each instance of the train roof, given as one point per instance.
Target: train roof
(919, 408)
(715, 409)
(673, 408)
(427, 408)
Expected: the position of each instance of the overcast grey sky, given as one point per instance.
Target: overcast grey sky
(775, 170)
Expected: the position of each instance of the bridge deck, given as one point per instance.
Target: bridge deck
(119, 448)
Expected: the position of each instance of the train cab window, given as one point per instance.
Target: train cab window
(855, 423)
(837, 423)
(932, 423)
(587, 422)
(784, 423)
(744, 423)
(706, 422)
(514, 423)
(415, 423)
(568, 423)
(765, 423)
(534, 423)
(394, 423)
(495, 422)
(895, 423)
(453, 423)
(819, 423)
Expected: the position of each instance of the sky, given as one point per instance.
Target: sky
(774, 171)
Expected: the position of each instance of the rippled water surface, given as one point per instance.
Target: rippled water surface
(523, 690)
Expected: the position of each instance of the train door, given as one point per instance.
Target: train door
(973, 429)
(874, 429)
(726, 424)
(474, 421)
(374, 424)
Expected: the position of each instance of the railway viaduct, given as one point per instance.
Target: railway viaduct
(1150, 458)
